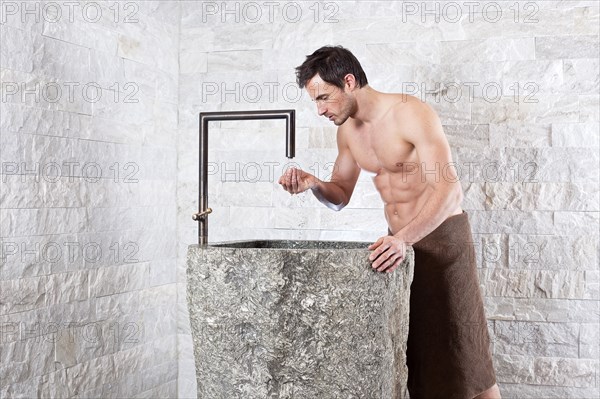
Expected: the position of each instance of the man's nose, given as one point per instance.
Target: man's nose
(321, 109)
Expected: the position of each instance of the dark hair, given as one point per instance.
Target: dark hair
(332, 64)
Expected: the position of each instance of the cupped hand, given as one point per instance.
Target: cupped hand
(388, 253)
(296, 181)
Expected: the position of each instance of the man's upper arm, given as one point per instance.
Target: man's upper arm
(345, 171)
(425, 132)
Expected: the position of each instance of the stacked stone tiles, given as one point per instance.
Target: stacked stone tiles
(528, 169)
(87, 218)
(516, 87)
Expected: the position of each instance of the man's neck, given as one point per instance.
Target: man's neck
(367, 101)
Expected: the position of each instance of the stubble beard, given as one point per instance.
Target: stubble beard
(346, 112)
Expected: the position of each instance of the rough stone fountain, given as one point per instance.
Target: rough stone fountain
(293, 319)
(297, 319)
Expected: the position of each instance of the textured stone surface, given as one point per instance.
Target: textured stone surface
(522, 391)
(536, 283)
(576, 252)
(575, 135)
(297, 319)
(516, 134)
(101, 325)
(539, 309)
(534, 196)
(566, 47)
(537, 339)
(487, 50)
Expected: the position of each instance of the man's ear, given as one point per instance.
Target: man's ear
(350, 82)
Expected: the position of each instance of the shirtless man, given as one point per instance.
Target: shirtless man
(397, 137)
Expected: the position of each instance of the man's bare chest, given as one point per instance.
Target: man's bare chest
(386, 150)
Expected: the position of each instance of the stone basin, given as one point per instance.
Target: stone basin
(297, 319)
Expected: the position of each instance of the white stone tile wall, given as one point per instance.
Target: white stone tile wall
(516, 85)
(112, 321)
(88, 284)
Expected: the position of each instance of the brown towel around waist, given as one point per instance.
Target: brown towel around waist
(448, 353)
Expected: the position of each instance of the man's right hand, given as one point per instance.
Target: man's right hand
(296, 181)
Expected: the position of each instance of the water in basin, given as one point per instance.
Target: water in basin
(293, 244)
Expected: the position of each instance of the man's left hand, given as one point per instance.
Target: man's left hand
(388, 253)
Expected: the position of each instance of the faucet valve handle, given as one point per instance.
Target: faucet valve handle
(201, 215)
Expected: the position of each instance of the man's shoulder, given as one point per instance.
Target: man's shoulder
(402, 102)
(408, 108)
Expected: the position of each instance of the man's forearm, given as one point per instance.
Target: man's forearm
(433, 213)
(330, 194)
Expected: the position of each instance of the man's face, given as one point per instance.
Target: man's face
(335, 104)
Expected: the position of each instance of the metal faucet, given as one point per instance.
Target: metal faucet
(290, 149)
